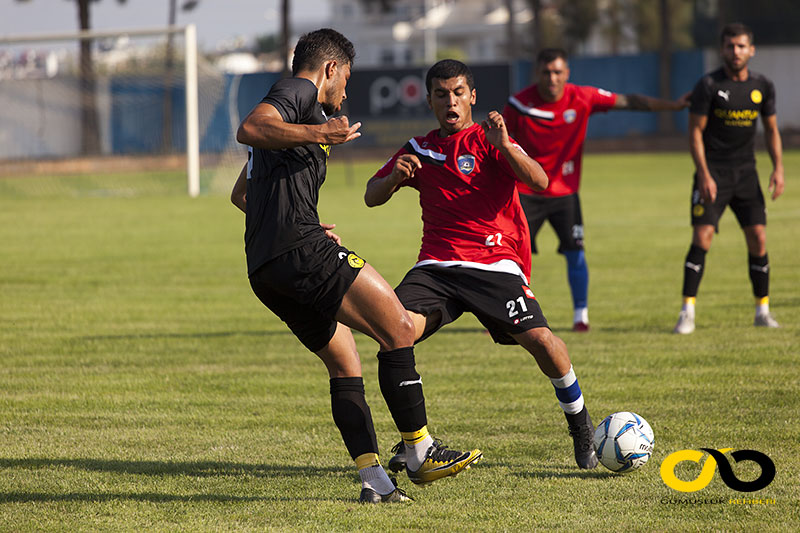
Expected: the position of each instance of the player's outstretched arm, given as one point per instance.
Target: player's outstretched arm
(379, 190)
(264, 128)
(239, 192)
(640, 102)
(775, 149)
(526, 169)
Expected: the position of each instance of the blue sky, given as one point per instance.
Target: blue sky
(216, 20)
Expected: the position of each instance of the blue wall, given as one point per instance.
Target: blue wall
(627, 75)
(137, 111)
(137, 103)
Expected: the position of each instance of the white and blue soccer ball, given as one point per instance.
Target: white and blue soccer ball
(623, 441)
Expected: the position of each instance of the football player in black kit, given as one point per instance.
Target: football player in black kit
(725, 107)
(298, 268)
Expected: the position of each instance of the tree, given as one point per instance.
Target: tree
(562, 23)
(578, 18)
(285, 31)
(266, 44)
(773, 22)
(90, 132)
(665, 123)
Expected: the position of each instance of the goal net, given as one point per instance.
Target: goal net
(147, 115)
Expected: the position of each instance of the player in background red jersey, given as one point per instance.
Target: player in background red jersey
(475, 254)
(549, 120)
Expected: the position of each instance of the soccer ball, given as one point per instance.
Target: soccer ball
(623, 441)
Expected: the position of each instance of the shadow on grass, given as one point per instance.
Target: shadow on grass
(565, 472)
(165, 468)
(196, 335)
(154, 497)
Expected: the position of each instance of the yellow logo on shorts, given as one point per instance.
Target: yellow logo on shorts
(755, 96)
(354, 261)
(698, 210)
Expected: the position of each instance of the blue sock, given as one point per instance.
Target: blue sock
(578, 276)
(568, 392)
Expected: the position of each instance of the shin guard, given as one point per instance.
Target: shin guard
(352, 416)
(401, 387)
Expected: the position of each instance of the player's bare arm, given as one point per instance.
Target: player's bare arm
(526, 169)
(705, 183)
(775, 149)
(640, 102)
(379, 190)
(239, 192)
(265, 128)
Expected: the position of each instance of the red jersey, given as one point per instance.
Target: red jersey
(553, 132)
(467, 191)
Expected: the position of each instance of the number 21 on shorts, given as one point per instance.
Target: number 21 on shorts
(519, 303)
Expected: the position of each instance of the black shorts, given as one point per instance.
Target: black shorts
(305, 287)
(564, 214)
(501, 302)
(737, 187)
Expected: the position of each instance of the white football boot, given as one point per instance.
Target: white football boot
(765, 320)
(685, 323)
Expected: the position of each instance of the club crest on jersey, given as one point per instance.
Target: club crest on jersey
(570, 115)
(466, 163)
(756, 96)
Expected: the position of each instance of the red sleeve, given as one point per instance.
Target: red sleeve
(600, 99)
(387, 168)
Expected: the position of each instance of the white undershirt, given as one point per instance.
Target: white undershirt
(506, 266)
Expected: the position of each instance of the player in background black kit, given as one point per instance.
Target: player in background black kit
(725, 107)
(299, 270)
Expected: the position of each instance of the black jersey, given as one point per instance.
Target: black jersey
(733, 109)
(283, 185)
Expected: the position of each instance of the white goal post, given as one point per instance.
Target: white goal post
(189, 34)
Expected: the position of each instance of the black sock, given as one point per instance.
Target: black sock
(579, 418)
(401, 387)
(693, 270)
(352, 416)
(759, 275)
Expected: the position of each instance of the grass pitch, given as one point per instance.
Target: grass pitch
(143, 386)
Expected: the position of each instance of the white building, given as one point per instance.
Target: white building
(413, 32)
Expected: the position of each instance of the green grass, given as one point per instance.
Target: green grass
(143, 386)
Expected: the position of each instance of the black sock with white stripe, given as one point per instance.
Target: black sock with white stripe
(401, 387)
(759, 275)
(693, 270)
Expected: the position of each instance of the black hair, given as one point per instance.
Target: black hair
(548, 55)
(316, 47)
(735, 29)
(446, 69)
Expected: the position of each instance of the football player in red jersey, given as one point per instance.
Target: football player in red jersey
(475, 255)
(549, 120)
